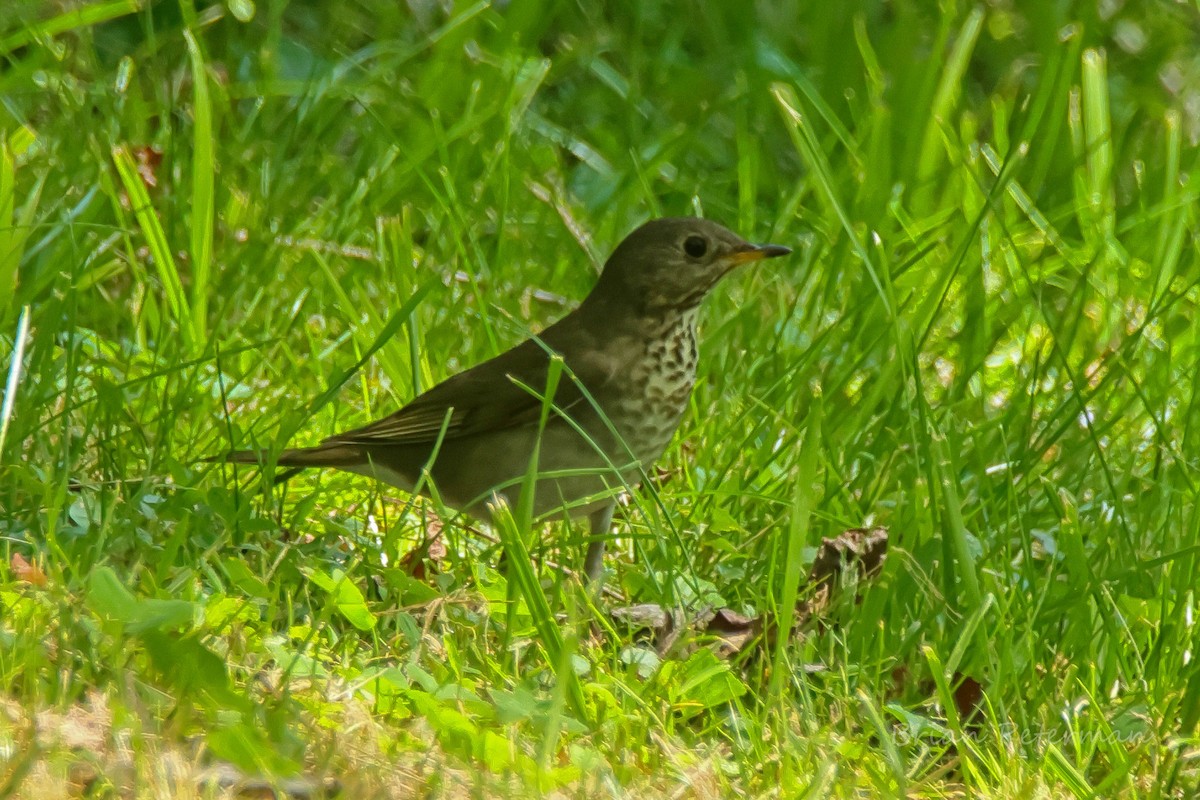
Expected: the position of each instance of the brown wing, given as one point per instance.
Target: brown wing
(486, 397)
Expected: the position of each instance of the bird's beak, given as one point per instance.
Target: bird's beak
(756, 252)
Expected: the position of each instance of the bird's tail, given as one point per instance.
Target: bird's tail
(338, 456)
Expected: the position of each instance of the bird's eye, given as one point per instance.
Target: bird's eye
(695, 246)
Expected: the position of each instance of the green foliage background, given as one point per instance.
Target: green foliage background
(985, 341)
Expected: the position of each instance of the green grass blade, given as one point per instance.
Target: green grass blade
(156, 240)
(944, 99)
(10, 248)
(85, 16)
(521, 571)
(15, 225)
(515, 530)
(203, 200)
(1097, 131)
(891, 753)
(792, 560)
(15, 362)
(963, 565)
(804, 138)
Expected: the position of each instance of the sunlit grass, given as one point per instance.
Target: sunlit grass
(234, 233)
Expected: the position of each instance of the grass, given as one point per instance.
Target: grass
(985, 341)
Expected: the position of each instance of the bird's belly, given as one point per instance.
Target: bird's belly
(648, 424)
(658, 390)
(575, 474)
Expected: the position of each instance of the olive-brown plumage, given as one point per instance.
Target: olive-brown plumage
(629, 358)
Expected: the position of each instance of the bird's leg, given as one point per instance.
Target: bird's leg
(599, 523)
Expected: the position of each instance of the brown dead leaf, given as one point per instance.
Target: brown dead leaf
(645, 616)
(148, 158)
(730, 631)
(866, 548)
(863, 548)
(24, 571)
(733, 631)
(425, 559)
(662, 476)
(860, 549)
(968, 697)
(662, 626)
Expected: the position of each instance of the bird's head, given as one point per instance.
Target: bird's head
(673, 262)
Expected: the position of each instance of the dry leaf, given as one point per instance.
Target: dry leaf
(27, 572)
(149, 158)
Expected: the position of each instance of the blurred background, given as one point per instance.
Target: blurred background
(211, 213)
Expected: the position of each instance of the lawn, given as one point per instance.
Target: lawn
(243, 224)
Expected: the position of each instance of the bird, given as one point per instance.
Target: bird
(626, 364)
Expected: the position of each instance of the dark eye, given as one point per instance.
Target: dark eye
(695, 246)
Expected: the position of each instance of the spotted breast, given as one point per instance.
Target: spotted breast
(660, 381)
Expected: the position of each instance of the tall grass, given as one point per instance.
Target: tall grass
(984, 341)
